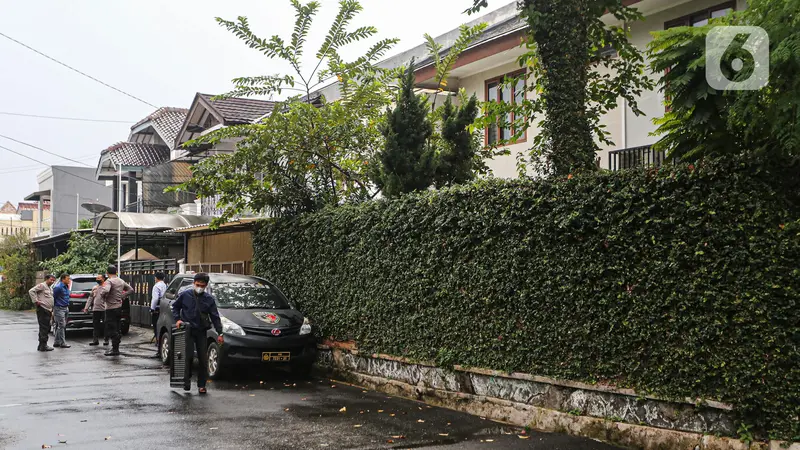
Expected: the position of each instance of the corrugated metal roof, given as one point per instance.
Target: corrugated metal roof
(206, 226)
(146, 222)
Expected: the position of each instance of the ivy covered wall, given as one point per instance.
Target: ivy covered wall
(683, 281)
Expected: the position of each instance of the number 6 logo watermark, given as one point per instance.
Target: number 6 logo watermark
(748, 63)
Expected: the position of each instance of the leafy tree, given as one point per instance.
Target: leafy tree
(407, 160)
(440, 149)
(567, 44)
(85, 253)
(309, 153)
(19, 270)
(460, 158)
(84, 224)
(704, 122)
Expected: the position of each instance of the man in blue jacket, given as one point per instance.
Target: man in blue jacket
(61, 311)
(199, 309)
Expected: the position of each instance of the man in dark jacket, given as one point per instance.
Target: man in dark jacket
(199, 309)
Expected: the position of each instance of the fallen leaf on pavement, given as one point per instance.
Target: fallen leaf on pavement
(420, 421)
(46, 446)
(399, 436)
(443, 434)
(448, 424)
(213, 428)
(260, 382)
(356, 426)
(391, 415)
(108, 438)
(380, 410)
(303, 399)
(286, 409)
(62, 441)
(252, 395)
(333, 385)
(363, 392)
(524, 437)
(490, 440)
(361, 412)
(84, 420)
(389, 441)
(344, 409)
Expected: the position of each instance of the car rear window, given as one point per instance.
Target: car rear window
(249, 295)
(83, 284)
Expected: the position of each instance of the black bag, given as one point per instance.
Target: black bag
(181, 354)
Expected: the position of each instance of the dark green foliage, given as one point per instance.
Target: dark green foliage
(459, 158)
(19, 270)
(682, 281)
(705, 122)
(86, 253)
(407, 160)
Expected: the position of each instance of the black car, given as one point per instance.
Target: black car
(80, 288)
(260, 325)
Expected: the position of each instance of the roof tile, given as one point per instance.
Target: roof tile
(240, 110)
(137, 154)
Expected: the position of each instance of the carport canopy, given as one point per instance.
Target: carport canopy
(143, 224)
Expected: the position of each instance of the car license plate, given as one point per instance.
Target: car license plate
(276, 356)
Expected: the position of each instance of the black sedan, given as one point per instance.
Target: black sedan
(80, 288)
(260, 325)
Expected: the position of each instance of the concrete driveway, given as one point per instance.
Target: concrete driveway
(79, 396)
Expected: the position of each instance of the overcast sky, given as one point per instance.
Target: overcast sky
(160, 51)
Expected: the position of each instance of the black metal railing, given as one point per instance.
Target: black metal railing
(141, 276)
(628, 158)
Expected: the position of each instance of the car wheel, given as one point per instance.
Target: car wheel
(164, 348)
(125, 328)
(214, 361)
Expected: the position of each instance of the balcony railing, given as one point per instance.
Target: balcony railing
(628, 158)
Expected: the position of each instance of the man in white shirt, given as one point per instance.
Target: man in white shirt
(159, 289)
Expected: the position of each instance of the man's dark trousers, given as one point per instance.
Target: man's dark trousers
(154, 321)
(97, 324)
(113, 316)
(200, 344)
(43, 316)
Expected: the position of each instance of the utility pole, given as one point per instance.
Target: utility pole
(119, 221)
(78, 213)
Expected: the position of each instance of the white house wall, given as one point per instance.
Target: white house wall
(625, 131)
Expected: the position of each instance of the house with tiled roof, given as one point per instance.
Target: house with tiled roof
(207, 114)
(494, 57)
(149, 144)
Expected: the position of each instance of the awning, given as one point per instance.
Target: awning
(39, 195)
(143, 224)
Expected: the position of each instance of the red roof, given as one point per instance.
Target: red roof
(32, 206)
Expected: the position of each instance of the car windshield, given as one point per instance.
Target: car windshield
(83, 285)
(248, 295)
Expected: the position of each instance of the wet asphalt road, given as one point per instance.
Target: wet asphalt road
(91, 401)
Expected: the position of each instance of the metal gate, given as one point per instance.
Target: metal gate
(141, 276)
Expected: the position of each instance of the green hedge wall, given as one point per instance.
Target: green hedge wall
(681, 281)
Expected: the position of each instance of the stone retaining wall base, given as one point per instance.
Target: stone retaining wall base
(519, 414)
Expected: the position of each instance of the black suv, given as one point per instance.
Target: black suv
(261, 325)
(80, 288)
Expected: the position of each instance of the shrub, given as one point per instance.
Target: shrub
(15, 303)
(681, 281)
